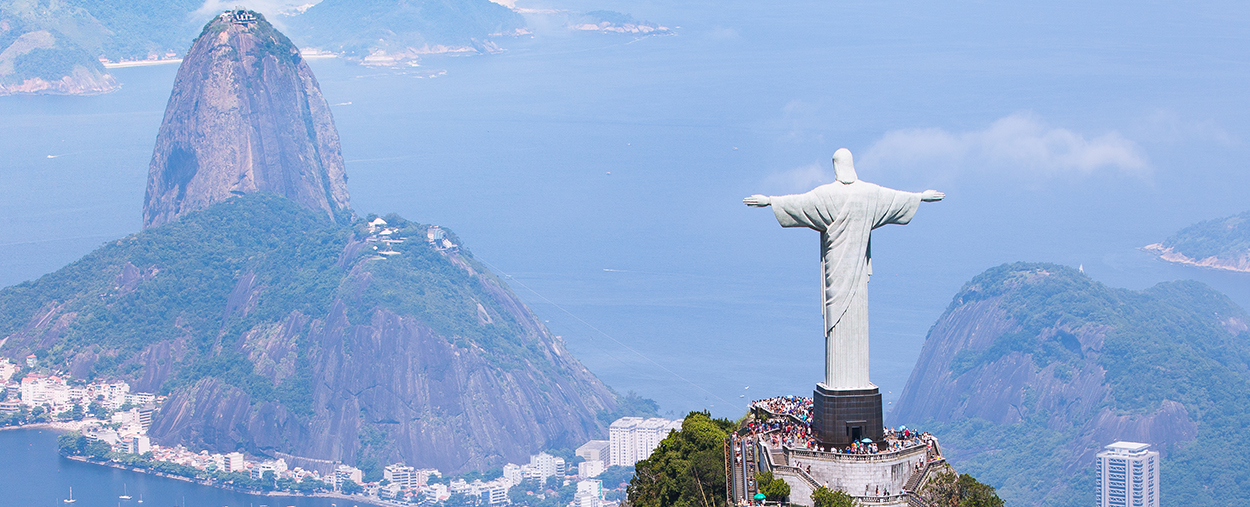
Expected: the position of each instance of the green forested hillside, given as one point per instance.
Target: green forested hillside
(358, 27)
(1224, 238)
(188, 270)
(265, 322)
(1034, 367)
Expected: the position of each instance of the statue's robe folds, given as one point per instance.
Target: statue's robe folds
(845, 214)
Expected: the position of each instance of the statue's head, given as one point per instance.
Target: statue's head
(843, 166)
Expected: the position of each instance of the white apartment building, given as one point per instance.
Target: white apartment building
(344, 473)
(404, 476)
(138, 444)
(546, 465)
(233, 462)
(621, 441)
(1128, 475)
(632, 439)
(512, 473)
(589, 494)
(591, 468)
(595, 450)
(45, 390)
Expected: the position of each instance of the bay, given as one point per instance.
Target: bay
(602, 175)
(32, 474)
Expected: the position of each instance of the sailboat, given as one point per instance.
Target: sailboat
(71, 496)
(140, 497)
(124, 495)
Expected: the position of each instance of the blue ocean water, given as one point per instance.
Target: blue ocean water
(36, 476)
(603, 174)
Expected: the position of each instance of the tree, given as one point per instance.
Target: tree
(825, 497)
(350, 487)
(269, 478)
(976, 494)
(775, 489)
(70, 444)
(948, 490)
(687, 469)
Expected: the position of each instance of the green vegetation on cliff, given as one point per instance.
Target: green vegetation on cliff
(358, 27)
(1077, 365)
(184, 275)
(1226, 239)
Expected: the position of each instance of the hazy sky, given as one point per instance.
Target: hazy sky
(1066, 132)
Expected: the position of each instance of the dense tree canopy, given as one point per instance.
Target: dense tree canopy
(948, 490)
(825, 497)
(687, 469)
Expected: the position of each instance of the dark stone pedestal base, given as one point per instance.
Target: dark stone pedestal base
(842, 417)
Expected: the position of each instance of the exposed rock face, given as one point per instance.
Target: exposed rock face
(245, 115)
(433, 402)
(280, 333)
(1035, 367)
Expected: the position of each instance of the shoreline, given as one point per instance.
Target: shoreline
(1169, 255)
(140, 63)
(201, 482)
(76, 425)
(54, 426)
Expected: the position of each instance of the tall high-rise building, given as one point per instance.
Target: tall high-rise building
(621, 441)
(1128, 476)
(632, 439)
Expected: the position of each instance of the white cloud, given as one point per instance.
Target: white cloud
(1018, 142)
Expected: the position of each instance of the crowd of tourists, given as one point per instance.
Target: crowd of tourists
(779, 431)
(795, 406)
(785, 421)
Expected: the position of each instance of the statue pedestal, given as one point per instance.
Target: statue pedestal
(841, 417)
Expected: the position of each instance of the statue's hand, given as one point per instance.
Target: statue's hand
(931, 196)
(757, 200)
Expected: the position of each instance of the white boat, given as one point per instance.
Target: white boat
(71, 496)
(124, 495)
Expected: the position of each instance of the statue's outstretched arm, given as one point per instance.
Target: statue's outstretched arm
(932, 196)
(757, 200)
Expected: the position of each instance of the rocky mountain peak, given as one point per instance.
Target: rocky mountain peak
(246, 115)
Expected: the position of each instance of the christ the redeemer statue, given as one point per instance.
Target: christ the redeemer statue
(845, 212)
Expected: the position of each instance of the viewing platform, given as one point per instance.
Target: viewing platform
(777, 438)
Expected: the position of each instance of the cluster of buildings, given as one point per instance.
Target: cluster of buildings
(405, 483)
(630, 438)
(383, 239)
(57, 394)
(238, 462)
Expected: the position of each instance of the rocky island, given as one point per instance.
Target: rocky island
(1218, 244)
(35, 60)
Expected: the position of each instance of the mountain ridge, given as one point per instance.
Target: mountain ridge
(1034, 367)
(274, 331)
